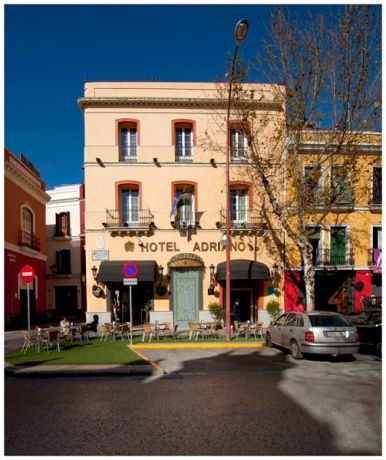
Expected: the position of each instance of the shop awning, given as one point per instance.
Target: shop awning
(244, 270)
(113, 270)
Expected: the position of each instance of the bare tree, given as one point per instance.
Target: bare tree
(326, 74)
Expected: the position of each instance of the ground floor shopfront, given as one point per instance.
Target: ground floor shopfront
(344, 291)
(177, 281)
(15, 290)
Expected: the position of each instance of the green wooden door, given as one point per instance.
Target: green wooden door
(187, 295)
(338, 246)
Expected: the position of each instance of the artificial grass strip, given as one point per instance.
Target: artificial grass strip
(90, 352)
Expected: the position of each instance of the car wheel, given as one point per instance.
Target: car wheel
(268, 340)
(295, 350)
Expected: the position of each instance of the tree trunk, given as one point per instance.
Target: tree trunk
(309, 277)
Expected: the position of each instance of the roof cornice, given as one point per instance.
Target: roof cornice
(89, 102)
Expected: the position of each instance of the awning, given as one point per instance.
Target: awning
(244, 270)
(113, 270)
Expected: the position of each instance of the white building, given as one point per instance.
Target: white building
(65, 250)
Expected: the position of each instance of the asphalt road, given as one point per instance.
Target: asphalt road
(211, 402)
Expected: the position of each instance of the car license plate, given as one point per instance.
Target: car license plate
(336, 334)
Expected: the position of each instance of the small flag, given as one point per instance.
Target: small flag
(181, 199)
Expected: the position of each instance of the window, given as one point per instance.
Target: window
(280, 321)
(291, 319)
(313, 184)
(329, 321)
(377, 185)
(128, 142)
(27, 226)
(130, 205)
(314, 237)
(184, 137)
(62, 227)
(340, 185)
(338, 246)
(377, 237)
(183, 204)
(238, 145)
(239, 205)
(63, 262)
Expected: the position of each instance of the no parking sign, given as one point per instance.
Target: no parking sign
(130, 270)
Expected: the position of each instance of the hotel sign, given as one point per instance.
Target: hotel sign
(171, 246)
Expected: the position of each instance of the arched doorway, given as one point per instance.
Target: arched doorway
(186, 288)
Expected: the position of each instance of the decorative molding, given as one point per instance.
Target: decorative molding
(87, 102)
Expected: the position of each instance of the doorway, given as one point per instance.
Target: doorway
(66, 300)
(245, 297)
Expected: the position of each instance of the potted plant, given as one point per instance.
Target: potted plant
(146, 308)
(273, 309)
(215, 310)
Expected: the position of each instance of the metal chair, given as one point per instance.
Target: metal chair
(29, 341)
(256, 330)
(51, 339)
(195, 329)
(148, 330)
(106, 331)
(239, 328)
(122, 330)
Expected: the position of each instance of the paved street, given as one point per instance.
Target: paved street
(210, 402)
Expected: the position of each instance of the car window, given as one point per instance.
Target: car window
(300, 321)
(280, 320)
(329, 321)
(291, 319)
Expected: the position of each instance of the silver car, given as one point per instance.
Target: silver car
(319, 332)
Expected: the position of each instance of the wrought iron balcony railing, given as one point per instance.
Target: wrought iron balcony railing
(376, 198)
(322, 257)
(28, 240)
(133, 218)
(242, 219)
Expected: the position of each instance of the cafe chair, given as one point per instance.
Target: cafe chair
(76, 334)
(122, 330)
(29, 340)
(106, 331)
(172, 330)
(255, 329)
(239, 329)
(148, 330)
(51, 339)
(195, 329)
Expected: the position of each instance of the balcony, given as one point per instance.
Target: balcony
(376, 201)
(321, 258)
(28, 240)
(136, 219)
(243, 220)
(187, 220)
(184, 153)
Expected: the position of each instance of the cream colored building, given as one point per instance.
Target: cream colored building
(146, 144)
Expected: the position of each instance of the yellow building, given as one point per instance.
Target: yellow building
(343, 218)
(155, 198)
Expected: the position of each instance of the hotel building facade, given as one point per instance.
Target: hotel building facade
(155, 196)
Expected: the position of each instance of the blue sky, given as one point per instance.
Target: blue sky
(50, 50)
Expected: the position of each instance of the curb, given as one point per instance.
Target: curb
(81, 370)
(153, 345)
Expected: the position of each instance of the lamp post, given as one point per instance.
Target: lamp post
(240, 33)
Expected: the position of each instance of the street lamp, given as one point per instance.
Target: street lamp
(240, 33)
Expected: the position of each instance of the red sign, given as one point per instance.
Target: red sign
(27, 273)
(130, 270)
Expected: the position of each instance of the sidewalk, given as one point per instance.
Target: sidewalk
(13, 340)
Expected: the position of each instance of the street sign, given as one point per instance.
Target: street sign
(130, 281)
(27, 273)
(130, 270)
